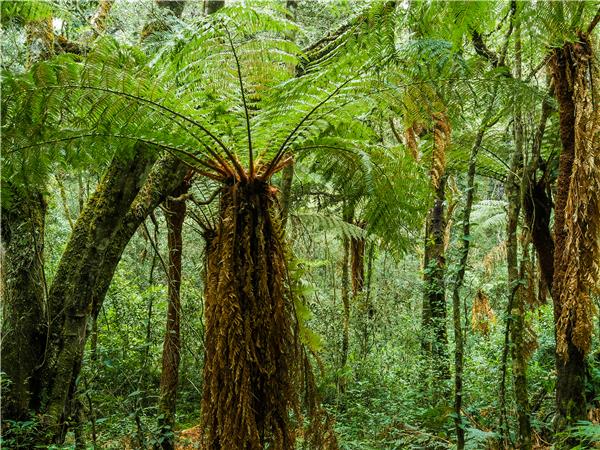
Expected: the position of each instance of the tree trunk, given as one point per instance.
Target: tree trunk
(517, 310)
(357, 252)
(251, 350)
(435, 298)
(346, 312)
(576, 227)
(537, 203)
(347, 282)
(458, 282)
(80, 269)
(25, 314)
(435, 342)
(86, 268)
(175, 215)
(24, 327)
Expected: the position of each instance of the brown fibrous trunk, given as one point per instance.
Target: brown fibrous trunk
(576, 225)
(251, 346)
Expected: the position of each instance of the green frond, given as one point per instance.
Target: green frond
(25, 10)
(328, 222)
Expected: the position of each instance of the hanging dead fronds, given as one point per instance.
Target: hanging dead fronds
(577, 224)
(251, 350)
(441, 142)
(410, 140)
(255, 371)
(496, 254)
(482, 314)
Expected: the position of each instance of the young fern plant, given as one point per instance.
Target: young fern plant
(224, 98)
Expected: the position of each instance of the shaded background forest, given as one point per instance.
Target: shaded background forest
(383, 292)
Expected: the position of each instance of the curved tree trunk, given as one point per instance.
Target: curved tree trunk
(109, 220)
(70, 297)
(251, 350)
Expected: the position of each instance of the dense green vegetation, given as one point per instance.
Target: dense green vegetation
(319, 225)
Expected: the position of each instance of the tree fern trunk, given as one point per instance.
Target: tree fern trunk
(346, 312)
(251, 350)
(572, 269)
(435, 296)
(434, 301)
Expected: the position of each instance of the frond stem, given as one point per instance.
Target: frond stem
(240, 79)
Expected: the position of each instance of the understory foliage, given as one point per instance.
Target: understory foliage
(344, 164)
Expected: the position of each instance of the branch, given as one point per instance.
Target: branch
(395, 132)
(482, 50)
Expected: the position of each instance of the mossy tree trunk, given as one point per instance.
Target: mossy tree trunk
(169, 379)
(25, 314)
(251, 349)
(24, 327)
(345, 293)
(211, 6)
(434, 320)
(435, 338)
(123, 199)
(516, 312)
(78, 274)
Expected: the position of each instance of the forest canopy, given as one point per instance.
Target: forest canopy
(307, 224)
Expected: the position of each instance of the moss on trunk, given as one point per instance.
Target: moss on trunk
(24, 326)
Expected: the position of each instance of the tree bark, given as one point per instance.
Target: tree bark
(436, 340)
(458, 283)
(345, 288)
(71, 295)
(24, 315)
(211, 6)
(175, 215)
(514, 188)
(109, 220)
(345, 302)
